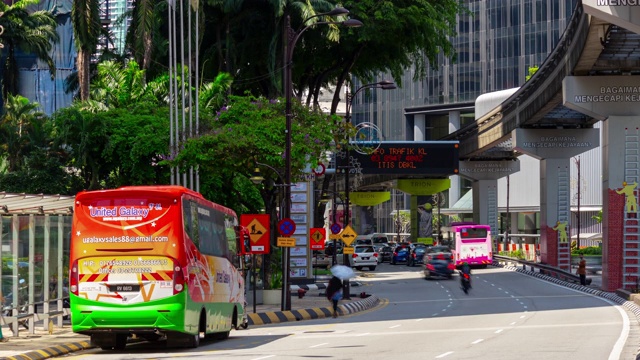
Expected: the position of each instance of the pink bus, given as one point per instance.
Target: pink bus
(470, 243)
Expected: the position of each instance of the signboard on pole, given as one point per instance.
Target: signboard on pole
(257, 226)
(317, 235)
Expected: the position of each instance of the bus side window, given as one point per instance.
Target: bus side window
(206, 235)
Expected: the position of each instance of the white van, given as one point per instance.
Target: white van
(376, 239)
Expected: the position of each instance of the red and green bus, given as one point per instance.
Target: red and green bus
(157, 262)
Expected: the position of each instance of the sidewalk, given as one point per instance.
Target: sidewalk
(313, 305)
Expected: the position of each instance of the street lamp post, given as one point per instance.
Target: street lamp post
(291, 40)
(384, 85)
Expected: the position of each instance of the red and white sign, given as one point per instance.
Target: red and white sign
(317, 238)
(257, 226)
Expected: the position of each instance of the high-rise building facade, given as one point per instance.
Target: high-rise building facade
(497, 44)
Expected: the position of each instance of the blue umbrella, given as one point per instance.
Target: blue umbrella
(343, 272)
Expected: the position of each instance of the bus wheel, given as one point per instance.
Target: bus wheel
(221, 335)
(121, 342)
(110, 342)
(183, 340)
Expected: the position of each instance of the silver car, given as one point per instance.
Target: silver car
(364, 256)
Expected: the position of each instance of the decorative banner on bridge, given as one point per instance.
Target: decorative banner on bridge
(488, 170)
(555, 143)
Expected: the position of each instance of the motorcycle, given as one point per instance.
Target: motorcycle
(465, 282)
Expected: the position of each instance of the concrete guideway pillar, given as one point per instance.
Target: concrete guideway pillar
(554, 148)
(485, 175)
(616, 101)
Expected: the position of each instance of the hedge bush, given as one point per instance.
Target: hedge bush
(589, 250)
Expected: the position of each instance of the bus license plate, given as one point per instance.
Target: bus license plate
(120, 288)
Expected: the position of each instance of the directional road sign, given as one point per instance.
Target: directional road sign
(348, 235)
(317, 238)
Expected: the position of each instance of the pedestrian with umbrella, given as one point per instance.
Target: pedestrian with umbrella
(334, 289)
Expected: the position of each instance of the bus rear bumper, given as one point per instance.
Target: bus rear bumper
(91, 319)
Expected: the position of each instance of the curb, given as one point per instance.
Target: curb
(52, 351)
(275, 317)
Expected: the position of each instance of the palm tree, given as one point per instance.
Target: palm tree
(87, 27)
(143, 35)
(33, 33)
(18, 128)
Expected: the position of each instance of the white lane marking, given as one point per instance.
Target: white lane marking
(619, 346)
(263, 357)
(419, 319)
(445, 354)
(499, 331)
(513, 323)
(477, 341)
(434, 314)
(522, 317)
(394, 326)
(365, 334)
(315, 346)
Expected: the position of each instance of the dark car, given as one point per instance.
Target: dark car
(416, 255)
(400, 254)
(438, 262)
(385, 253)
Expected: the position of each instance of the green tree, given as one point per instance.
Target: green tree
(84, 137)
(17, 124)
(32, 32)
(87, 27)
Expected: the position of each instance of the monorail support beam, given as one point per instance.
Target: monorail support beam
(555, 148)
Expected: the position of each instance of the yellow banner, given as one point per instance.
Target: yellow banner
(371, 198)
(422, 186)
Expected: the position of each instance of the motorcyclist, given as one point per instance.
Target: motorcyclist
(465, 269)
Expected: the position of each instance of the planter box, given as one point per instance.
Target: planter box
(272, 297)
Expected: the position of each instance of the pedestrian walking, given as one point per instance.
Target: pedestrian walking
(582, 270)
(334, 293)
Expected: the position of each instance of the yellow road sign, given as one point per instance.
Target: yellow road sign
(256, 230)
(348, 235)
(286, 242)
(317, 235)
(335, 237)
(347, 250)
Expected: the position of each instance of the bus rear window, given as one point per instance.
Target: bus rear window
(473, 233)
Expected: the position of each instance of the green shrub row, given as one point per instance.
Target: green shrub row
(589, 250)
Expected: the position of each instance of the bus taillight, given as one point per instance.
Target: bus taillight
(73, 278)
(178, 279)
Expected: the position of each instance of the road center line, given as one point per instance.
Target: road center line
(263, 357)
(445, 354)
(394, 326)
(499, 331)
(477, 341)
(315, 346)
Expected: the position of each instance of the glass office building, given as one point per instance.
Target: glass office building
(496, 45)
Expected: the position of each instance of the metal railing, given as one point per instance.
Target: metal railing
(541, 268)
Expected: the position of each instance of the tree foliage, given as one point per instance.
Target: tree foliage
(33, 32)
